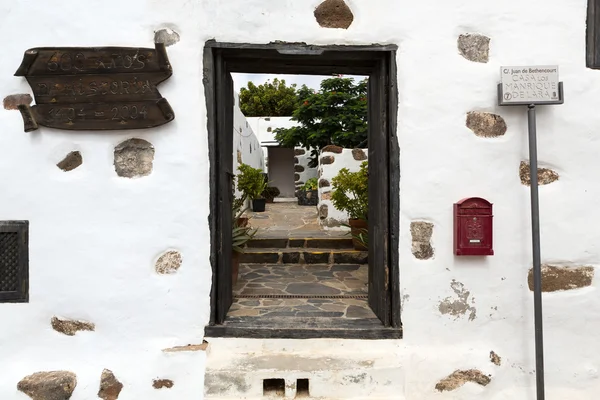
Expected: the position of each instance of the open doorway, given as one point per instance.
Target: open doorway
(372, 287)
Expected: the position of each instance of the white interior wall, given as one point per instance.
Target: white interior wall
(94, 236)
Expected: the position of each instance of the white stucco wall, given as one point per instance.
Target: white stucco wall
(95, 237)
(246, 145)
(335, 218)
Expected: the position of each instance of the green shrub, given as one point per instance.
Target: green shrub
(351, 192)
(310, 184)
(251, 181)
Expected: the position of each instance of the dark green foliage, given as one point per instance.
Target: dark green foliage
(351, 192)
(240, 234)
(271, 99)
(336, 114)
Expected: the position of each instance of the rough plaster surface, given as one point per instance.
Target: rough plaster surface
(71, 327)
(474, 47)
(94, 242)
(459, 378)
(71, 161)
(110, 387)
(555, 278)
(545, 175)
(52, 385)
(486, 124)
(460, 304)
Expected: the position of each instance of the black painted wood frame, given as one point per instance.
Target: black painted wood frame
(379, 63)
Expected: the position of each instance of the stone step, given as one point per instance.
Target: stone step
(313, 243)
(315, 369)
(303, 256)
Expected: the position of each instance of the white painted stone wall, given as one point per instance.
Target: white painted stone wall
(329, 216)
(95, 236)
(303, 171)
(245, 143)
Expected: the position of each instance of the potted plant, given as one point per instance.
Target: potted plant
(241, 234)
(308, 194)
(252, 184)
(351, 195)
(270, 193)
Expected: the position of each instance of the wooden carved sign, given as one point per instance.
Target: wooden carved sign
(96, 88)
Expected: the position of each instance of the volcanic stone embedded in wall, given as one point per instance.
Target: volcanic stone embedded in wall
(296, 177)
(71, 161)
(239, 157)
(52, 385)
(327, 160)
(323, 183)
(168, 263)
(326, 196)
(474, 47)
(71, 327)
(421, 239)
(359, 154)
(555, 278)
(12, 102)
(162, 383)
(485, 124)
(495, 358)
(459, 378)
(299, 152)
(296, 160)
(167, 36)
(134, 158)
(298, 168)
(332, 149)
(545, 175)
(323, 211)
(334, 14)
(110, 387)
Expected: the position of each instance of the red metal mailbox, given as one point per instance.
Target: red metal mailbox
(473, 227)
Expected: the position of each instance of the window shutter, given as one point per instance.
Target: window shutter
(14, 261)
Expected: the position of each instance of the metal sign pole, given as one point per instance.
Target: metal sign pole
(537, 268)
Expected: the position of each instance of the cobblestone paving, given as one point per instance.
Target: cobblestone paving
(344, 308)
(297, 279)
(304, 281)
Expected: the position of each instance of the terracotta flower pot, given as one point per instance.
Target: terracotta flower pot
(242, 222)
(358, 226)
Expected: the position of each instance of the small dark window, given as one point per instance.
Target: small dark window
(302, 388)
(14, 261)
(593, 34)
(274, 387)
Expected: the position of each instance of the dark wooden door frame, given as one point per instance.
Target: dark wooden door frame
(377, 61)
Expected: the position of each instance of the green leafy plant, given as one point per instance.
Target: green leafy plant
(270, 193)
(310, 184)
(351, 192)
(336, 114)
(240, 234)
(251, 182)
(271, 99)
(363, 237)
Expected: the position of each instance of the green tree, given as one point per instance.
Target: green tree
(336, 114)
(271, 99)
